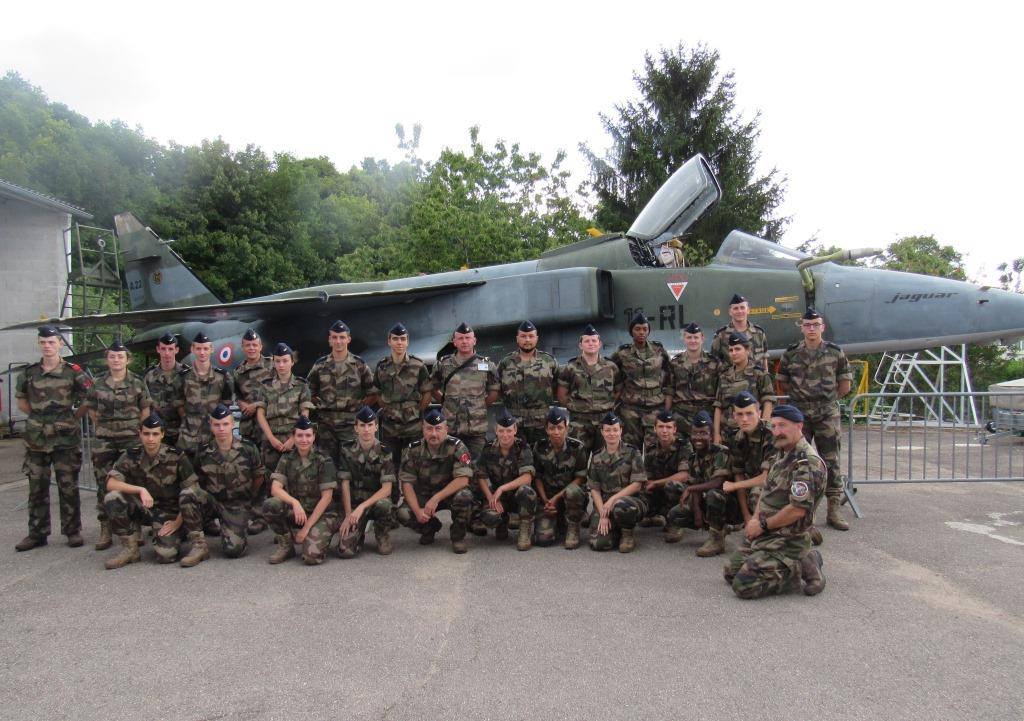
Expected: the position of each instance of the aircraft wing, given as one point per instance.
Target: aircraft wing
(268, 309)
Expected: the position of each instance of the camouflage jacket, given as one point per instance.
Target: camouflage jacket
(732, 381)
(752, 454)
(339, 387)
(230, 476)
(247, 380)
(712, 465)
(796, 477)
(645, 378)
(429, 472)
(758, 344)
(557, 469)
(365, 470)
(168, 393)
(52, 396)
(592, 389)
(693, 383)
(118, 405)
(201, 396)
(609, 473)
(496, 469)
(165, 475)
(813, 375)
(465, 396)
(528, 387)
(401, 387)
(661, 463)
(305, 479)
(282, 403)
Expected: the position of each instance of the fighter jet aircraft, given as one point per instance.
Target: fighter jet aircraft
(602, 280)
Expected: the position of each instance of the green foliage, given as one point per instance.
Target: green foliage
(1010, 274)
(923, 254)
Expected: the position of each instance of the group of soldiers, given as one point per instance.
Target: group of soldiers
(690, 442)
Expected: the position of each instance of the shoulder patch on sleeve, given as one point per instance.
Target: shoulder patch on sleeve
(799, 490)
(465, 458)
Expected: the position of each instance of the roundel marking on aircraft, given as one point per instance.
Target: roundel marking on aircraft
(224, 355)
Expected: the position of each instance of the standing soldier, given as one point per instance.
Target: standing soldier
(751, 453)
(589, 387)
(341, 383)
(693, 379)
(740, 375)
(166, 384)
(739, 310)
(615, 478)
(117, 401)
(47, 393)
(465, 383)
(402, 384)
(435, 476)
(249, 375)
(561, 471)
(230, 472)
(204, 387)
(504, 473)
(776, 553)
(666, 462)
(644, 365)
(528, 378)
(815, 374)
(301, 491)
(366, 473)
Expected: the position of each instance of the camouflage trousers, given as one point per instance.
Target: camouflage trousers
(65, 462)
(381, 513)
(105, 452)
(638, 424)
(823, 426)
(249, 430)
(190, 441)
(460, 504)
(586, 427)
(685, 412)
(713, 506)
(281, 519)
(331, 435)
(271, 457)
(569, 509)
(764, 571)
(126, 513)
(661, 500)
(625, 514)
(200, 507)
(397, 443)
(523, 502)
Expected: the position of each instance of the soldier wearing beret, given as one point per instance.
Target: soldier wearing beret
(560, 464)
(505, 474)
(204, 387)
(528, 378)
(815, 374)
(48, 392)
(465, 383)
(751, 452)
(777, 553)
(589, 387)
(666, 462)
(740, 375)
(615, 478)
(693, 379)
(739, 310)
(250, 374)
(166, 384)
(644, 365)
(367, 474)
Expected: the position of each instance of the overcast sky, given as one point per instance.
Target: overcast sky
(888, 119)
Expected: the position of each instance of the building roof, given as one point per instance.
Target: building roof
(10, 190)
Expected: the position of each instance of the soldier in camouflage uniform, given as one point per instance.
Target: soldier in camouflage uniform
(435, 476)
(341, 383)
(465, 383)
(166, 384)
(248, 377)
(739, 310)
(117, 401)
(299, 509)
(278, 401)
(528, 378)
(644, 365)
(589, 387)
(740, 375)
(230, 472)
(702, 501)
(367, 474)
(47, 393)
(693, 379)
(615, 478)
(204, 387)
(144, 488)
(504, 474)
(401, 382)
(815, 374)
(751, 453)
(776, 554)
(666, 462)
(560, 463)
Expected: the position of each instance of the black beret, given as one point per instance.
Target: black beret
(744, 399)
(117, 345)
(527, 327)
(610, 419)
(168, 339)
(701, 420)
(153, 420)
(302, 423)
(505, 419)
(790, 413)
(398, 329)
(48, 331)
(811, 314)
(692, 327)
(464, 328)
(433, 416)
(366, 415)
(737, 338)
(737, 299)
(557, 415)
(201, 338)
(666, 416)
(282, 349)
(638, 319)
(220, 411)
(251, 334)
(339, 327)
(589, 330)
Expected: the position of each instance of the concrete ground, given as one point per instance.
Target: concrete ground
(922, 618)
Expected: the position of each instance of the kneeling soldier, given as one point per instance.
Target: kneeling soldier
(230, 472)
(666, 462)
(616, 475)
(506, 469)
(144, 487)
(561, 470)
(367, 473)
(435, 476)
(301, 491)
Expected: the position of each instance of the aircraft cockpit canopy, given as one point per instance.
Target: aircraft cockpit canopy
(748, 251)
(678, 204)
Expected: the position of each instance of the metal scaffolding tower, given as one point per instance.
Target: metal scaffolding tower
(908, 375)
(94, 282)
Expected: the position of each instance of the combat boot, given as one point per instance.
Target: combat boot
(672, 534)
(513, 521)
(29, 542)
(382, 532)
(129, 553)
(810, 569)
(815, 534)
(655, 521)
(199, 551)
(477, 528)
(427, 535)
(459, 546)
(285, 549)
(627, 542)
(835, 518)
(572, 536)
(75, 540)
(525, 540)
(105, 540)
(714, 546)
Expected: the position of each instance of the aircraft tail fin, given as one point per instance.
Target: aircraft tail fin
(156, 276)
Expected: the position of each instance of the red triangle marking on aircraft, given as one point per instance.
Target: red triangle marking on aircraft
(677, 289)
